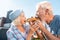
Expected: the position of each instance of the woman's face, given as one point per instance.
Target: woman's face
(22, 18)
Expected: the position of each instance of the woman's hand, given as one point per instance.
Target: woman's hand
(33, 28)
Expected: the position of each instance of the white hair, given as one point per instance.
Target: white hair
(44, 4)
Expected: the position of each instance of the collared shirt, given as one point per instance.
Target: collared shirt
(54, 26)
(14, 34)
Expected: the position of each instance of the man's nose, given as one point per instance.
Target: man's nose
(37, 13)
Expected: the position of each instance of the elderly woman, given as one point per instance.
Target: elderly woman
(18, 29)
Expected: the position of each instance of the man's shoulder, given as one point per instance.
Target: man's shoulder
(57, 21)
(57, 17)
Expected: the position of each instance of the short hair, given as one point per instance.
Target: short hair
(45, 5)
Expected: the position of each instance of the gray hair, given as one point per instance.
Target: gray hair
(44, 5)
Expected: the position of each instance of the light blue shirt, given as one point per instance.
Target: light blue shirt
(14, 34)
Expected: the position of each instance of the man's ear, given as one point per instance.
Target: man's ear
(47, 11)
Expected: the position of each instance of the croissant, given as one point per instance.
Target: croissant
(32, 19)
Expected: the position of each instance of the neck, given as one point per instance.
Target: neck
(20, 28)
(19, 25)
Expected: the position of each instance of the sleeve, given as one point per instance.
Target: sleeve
(59, 32)
(59, 21)
(10, 36)
(59, 26)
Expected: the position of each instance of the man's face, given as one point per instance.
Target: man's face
(41, 13)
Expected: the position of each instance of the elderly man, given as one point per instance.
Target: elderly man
(44, 11)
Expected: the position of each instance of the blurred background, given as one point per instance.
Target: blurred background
(28, 6)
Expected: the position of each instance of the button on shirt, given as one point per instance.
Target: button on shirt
(14, 34)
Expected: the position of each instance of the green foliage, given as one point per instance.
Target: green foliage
(35, 38)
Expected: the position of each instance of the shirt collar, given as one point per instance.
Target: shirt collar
(13, 26)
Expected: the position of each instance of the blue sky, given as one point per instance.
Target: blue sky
(28, 6)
